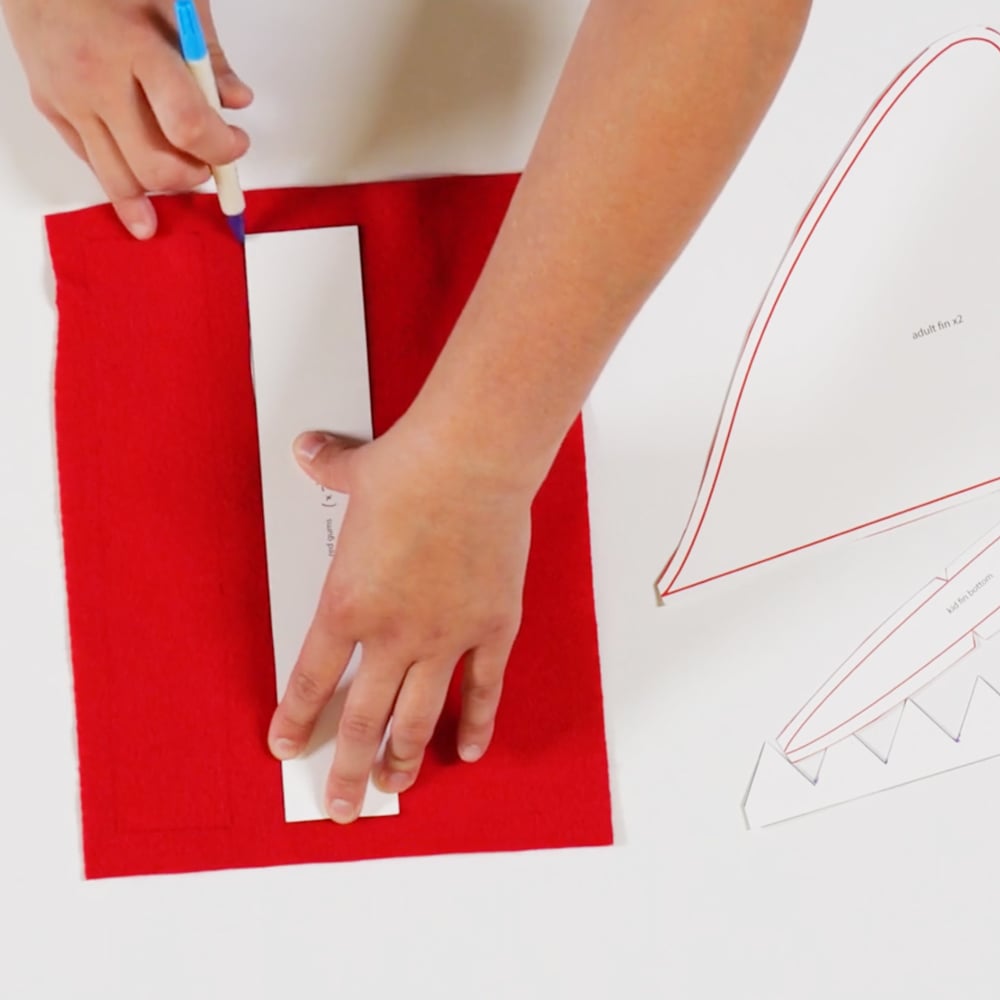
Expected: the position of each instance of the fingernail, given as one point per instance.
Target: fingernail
(143, 223)
(308, 446)
(471, 753)
(341, 811)
(397, 781)
(230, 79)
(285, 749)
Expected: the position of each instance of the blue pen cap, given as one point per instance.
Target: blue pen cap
(192, 36)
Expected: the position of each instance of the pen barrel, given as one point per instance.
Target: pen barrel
(227, 185)
(227, 182)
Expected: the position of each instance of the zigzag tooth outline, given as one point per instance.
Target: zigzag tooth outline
(988, 674)
(910, 704)
(961, 725)
(898, 713)
(810, 767)
(771, 759)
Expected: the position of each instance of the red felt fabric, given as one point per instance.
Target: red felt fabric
(165, 558)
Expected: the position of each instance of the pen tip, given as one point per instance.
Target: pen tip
(237, 227)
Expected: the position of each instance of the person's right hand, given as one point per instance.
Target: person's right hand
(108, 74)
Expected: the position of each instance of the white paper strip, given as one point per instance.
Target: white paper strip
(310, 363)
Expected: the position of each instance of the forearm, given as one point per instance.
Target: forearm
(657, 102)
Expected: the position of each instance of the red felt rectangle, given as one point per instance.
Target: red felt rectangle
(166, 565)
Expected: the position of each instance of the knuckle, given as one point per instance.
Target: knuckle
(411, 735)
(41, 103)
(435, 637)
(358, 727)
(393, 632)
(167, 175)
(85, 65)
(341, 607)
(344, 786)
(188, 124)
(118, 188)
(500, 626)
(307, 688)
(481, 694)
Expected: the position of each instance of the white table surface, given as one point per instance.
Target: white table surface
(890, 897)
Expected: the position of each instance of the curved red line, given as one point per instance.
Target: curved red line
(857, 666)
(739, 399)
(861, 645)
(850, 142)
(905, 680)
(830, 538)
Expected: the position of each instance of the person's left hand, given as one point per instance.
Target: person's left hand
(429, 569)
(109, 76)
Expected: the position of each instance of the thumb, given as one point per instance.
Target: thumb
(324, 458)
(234, 93)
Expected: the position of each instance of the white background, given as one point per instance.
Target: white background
(890, 897)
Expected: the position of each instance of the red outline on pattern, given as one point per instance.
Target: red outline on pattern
(843, 680)
(888, 517)
(796, 753)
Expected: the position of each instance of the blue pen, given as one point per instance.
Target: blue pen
(195, 51)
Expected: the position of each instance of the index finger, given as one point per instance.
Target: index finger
(320, 666)
(359, 735)
(189, 122)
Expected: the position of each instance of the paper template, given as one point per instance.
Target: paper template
(919, 696)
(864, 395)
(310, 367)
(959, 726)
(932, 632)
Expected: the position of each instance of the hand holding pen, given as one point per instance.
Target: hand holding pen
(117, 89)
